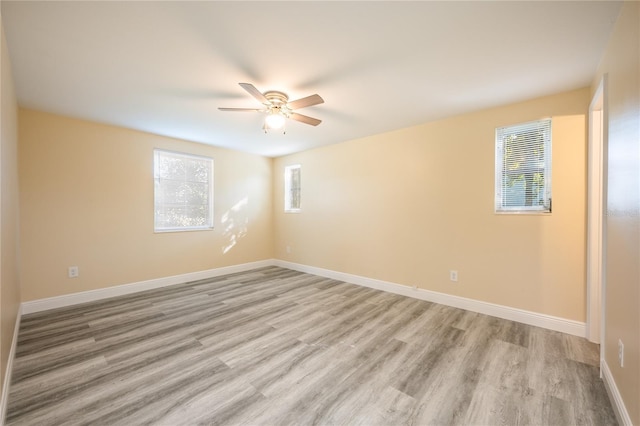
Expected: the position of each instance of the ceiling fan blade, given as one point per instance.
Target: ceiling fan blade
(240, 109)
(255, 93)
(305, 102)
(304, 119)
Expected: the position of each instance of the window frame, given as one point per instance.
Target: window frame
(546, 208)
(288, 189)
(209, 225)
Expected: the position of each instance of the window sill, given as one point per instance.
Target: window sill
(164, 231)
(523, 213)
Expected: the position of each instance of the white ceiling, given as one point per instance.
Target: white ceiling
(166, 67)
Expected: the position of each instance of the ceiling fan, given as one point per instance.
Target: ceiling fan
(278, 108)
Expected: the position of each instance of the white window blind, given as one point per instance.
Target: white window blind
(183, 193)
(523, 167)
(292, 188)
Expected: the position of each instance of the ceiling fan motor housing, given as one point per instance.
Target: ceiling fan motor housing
(278, 103)
(276, 98)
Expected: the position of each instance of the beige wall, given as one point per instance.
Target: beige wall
(9, 245)
(86, 199)
(409, 205)
(622, 293)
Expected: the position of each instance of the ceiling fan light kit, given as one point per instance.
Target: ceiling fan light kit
(278, 108)
(274, 120)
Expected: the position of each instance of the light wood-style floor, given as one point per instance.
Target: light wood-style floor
(278, 347)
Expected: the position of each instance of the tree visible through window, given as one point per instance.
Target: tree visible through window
(523, 167)
(183, 191)
(292, 188)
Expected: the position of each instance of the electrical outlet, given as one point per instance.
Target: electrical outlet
(288, 249)
(621, 352)
(453, 276)
(73, 272)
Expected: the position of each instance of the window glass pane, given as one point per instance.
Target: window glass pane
(292, 188)
(170, 168)
(183, 191)
(523, 167)
(197, 171)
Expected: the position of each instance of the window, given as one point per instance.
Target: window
(523, 167)
(292, 188)
(183, 191)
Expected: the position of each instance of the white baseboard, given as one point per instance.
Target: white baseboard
(121, 290)
(563, 325)
(614, 395)
(4, 399)
(526, 317)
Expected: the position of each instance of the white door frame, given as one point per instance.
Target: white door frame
(596, 212)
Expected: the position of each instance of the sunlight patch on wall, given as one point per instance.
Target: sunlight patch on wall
(234, 224)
